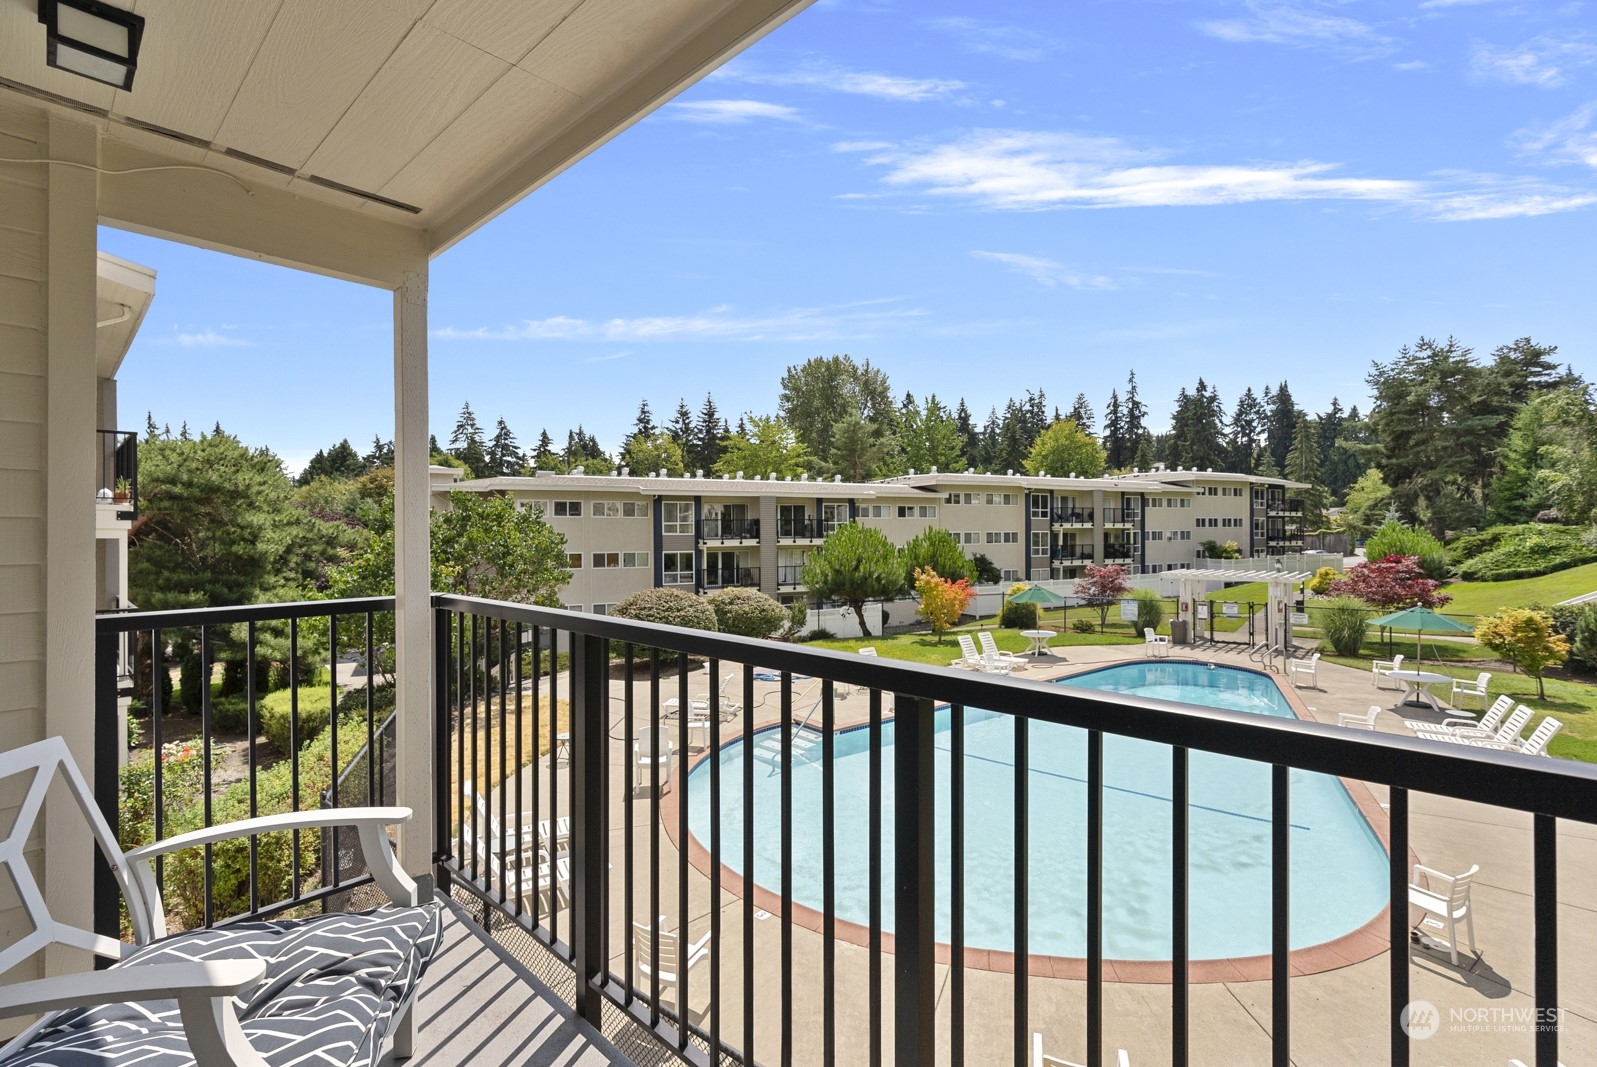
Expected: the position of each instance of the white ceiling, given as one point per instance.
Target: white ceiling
(452, 107)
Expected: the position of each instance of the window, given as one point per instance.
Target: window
(568, 509)
(1258, 498)
(1156, 502)
(1186, 535)
(676, 568)
(676, 516)
(1001, 498)
(1258, 527)
(917, 511)
(635, 509)
(1003, 537)
(606, 509)
(1009, 574)
(1039, 542)
(574, 561)
(606, 559)
(1209, 490)
(634, 559)
(950, 498)
(1039, 505)
(1156, 535)
(1184, 502)
(602, 609)
(572, 607)
(833, 516)
(966, 538)
(1155, 568)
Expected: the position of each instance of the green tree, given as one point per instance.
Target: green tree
(653, 452)
(942, 602)
(859, 446)
(1081, 412)
(1571, 474)
(1280, 425)
(1248, 420)
(1303, 465)
(1198, 429)
(1526, 639)
(854, 565)
(746, 612)
(340, 461)
(1114, 434)
(710, 431)
(935, 548)
(764, 446)
(1064, 449)
(504, 457)
(820, 392)
(930, 437)
(1368, 500)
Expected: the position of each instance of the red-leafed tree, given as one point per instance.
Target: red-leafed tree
(1101, 587)
(1391, 582)
(942, 602)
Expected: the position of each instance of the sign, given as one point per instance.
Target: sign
(1203, 609)
(1231, 611)
(1300, 618)
(1128, 611)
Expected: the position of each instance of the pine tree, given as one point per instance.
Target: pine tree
(381, 455)
(967, 432)
(1142, 458)
(1303, 465)
(644, 426)
(709, 442)
(1247, 425)
(150, 432)
(1082, 413)
(183, 434)
(1114, 433)
(433, 448)
(1136, 412)
(504, 454)
(544, 457)
(681, 428)
(1281, 424)
(466, 430)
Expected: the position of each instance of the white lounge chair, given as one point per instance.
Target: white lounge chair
(1463, 690)
(527, 841)
(1039, 1058)
(198, 974)
(1359, 722)
(1507, 731)
(669, 961)
(1534, 745)
(1305, 668)
(867, 650)
(699, 703)
(1382, 667)
(518, 872)
(1445, 900)
(991, 651)
(1155, 644)
(644, 760)
(1485, 726)
(969, 656)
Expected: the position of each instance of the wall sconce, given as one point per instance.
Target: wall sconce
(92, 39)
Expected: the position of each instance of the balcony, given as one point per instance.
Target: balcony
(731, 576)
(1284, 508)
(1073, 555)
(1073, 516)
(794, 971)
(798, 530)
(789, 575)
(1119, 552)
(1120, 516)
(729, 530)
(119, 472)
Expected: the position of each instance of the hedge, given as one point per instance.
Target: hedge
(1525, 552)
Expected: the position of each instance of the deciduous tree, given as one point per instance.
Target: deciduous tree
(761, 447)
(1064, 449)
(1102, 587)
(942, 602)
(1526, 639)
(855, 564)
(1391, 582)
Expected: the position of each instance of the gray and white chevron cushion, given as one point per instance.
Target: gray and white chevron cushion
(332, 986)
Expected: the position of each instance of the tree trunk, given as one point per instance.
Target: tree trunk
(859, 613)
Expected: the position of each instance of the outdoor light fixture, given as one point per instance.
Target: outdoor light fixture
(92, 39)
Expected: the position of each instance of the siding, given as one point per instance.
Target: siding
(23, 227)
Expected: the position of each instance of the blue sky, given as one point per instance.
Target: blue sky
(981, 199)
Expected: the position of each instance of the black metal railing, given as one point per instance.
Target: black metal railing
(635, 869)
(1119, 551)
(1073, 516)
(790, 574)
(731, 576)
(119, 471)
(797, 530)
(1284, 507)
(1073, 555)
(729, 530)
(1120, 516)
(278, 663)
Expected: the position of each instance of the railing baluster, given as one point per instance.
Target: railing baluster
(485, 779)
(1397, 920)
(787, 869)
(372, 796)
(1094, 898)
(539, 732)
(478, 832)
(748, 864)
(629, 858)
(874, 846)
(520, 747)
(1545, 888)
(205, 771)
(589, 694)
(249, 734)
(1180, 943)
(714, 681)
(106, 898)
(914, 881)
(1022, 991)
(461, 800)
(1280, 915)
(159, 676)
(654, 837)
(684, 716)
(554, 767)
(828, 880)
(293, 744)
(444, 791)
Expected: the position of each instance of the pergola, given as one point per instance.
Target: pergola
(1277, 627)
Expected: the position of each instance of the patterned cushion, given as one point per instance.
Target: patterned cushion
(332, 986)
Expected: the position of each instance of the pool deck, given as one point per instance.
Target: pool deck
(1340, 1010)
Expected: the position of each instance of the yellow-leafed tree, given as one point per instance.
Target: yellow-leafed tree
(942, 602)
(1526, 639)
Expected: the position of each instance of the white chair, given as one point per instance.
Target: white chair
(1359, 722)
(1039, 1058)
(662, 954)
(206, 1014)
(1485, 726)
(526, 841)
(1155, 644)
(643, 759)
(1309, 668)
(1445, 901)
(1463, 690)
(1507, 732)
(1382, 667)
(991, 652)
(867, 650)
(522, 873)
(1534, 745)
(969, 656)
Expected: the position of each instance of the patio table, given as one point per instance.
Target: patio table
(1039, 641)
(1418, 684)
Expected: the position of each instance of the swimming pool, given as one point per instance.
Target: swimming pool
(1338, 875)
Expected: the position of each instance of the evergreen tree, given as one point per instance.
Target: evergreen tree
(1247, 426)
(504, 454)
(1303, 465)
(1013, 440)
(1280, 424)
(1197, 429)
(544, 457)
(466, 430)
(1114, 434)
(1142, 458)
(381, 455)
(930, 438)
(341, 462)
(708, 442)
(858, 448)
(1081, 413)
(644, 425)
(681, 428)
(1136, 412)
(433, 448)
(1523, 370)
(150, 432)
(967, 432)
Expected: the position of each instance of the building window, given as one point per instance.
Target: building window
(1039, 543)
(1156, 502)
(676, 568)
(635, 509)
(606, 559)
(950, 498)
(1156, 535)
(572, 607)
(676, 516)
(602, 609)
(1009, 574)
(568, 509)
(917, 511)
(574, 561)
(606, 509)
(634, 559)
(1003, 537)
(1039, 505)
(833, 516)
(1002, 498)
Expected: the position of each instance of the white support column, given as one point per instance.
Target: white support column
(70, 484)
(413, 572)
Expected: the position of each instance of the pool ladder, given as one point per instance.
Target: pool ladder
(806, 744)
(1264, 655)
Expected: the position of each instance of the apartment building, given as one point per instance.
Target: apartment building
(627, 532)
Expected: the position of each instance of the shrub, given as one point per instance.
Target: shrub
(229, 715)
(987, 572)
(1583, 645)
(1083, 626)
(1343, 621)
(1526, 551)
(942, 600)
(798, 614)
(1321, 582)
(746, 612)
(1396, 539)
(820, 633)
(667, 607)
(1150, 609)
(1021, 616)
(274, 709)
(1526, 639)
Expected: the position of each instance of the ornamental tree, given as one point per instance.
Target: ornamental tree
(942, 602)
(1099, 587)
(1526, 639)
(1391, 582)
(855, 564)
(936, 548)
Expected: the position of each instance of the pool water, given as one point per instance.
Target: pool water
(1338, 875)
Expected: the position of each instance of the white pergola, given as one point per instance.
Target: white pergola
(1277, 627)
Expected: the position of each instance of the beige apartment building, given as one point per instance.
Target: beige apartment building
(626, 532)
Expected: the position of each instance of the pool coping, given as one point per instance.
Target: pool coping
(1357, 946)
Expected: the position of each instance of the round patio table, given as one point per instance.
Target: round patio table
(1039, 641)
(1418, 684)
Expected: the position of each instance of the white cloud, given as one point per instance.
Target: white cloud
(996, 38)
(730, 112)
(864, 318)
(829, 78)
(1544, 61)
(1300, 25)
(1431, 5)
(1411, 64)
(194, 337)
(1009, 170)
(1569, 140)
(1046, 272)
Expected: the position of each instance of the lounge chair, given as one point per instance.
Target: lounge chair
(1359, 722)
(669, 962)
(1485, 726)
(1309, 668)
(1463, 690)
(488, 825)
(867, 650)
(991, 652)
(1039, 1058)
(520, 872)
(969, 656)
(1507, 731)
(643, 759)
(1382, 667)
(334, 989)
(1155, 644)
(1534, 745)
(1445, 905)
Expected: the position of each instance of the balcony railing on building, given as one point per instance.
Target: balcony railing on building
(1284, 507)
(1073, 516)
(720, 578)
(1113, 551)
(581, 755)
(729, 530)
(1073, 554)
(797, 530)
(119, 471)
(1120, 516)
(790, 575)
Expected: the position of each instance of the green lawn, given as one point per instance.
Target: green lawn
(923, 648)
(1487, 598)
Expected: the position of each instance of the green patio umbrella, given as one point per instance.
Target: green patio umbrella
(1036, 594)
(1419, 620)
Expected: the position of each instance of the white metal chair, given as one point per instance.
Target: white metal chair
(1039, 1058)
(1445, 901)
(1155, 644)
(1485, 726)
(664, 954)
(992, 653)
(1309, 668)
(1463, 690)
(1382, 667)
(643, 759)
(210, 991)
(1360, 722)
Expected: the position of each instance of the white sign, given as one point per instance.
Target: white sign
(1203, 609)
(1128, 611)
(1231, 611)
(1300, 618)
